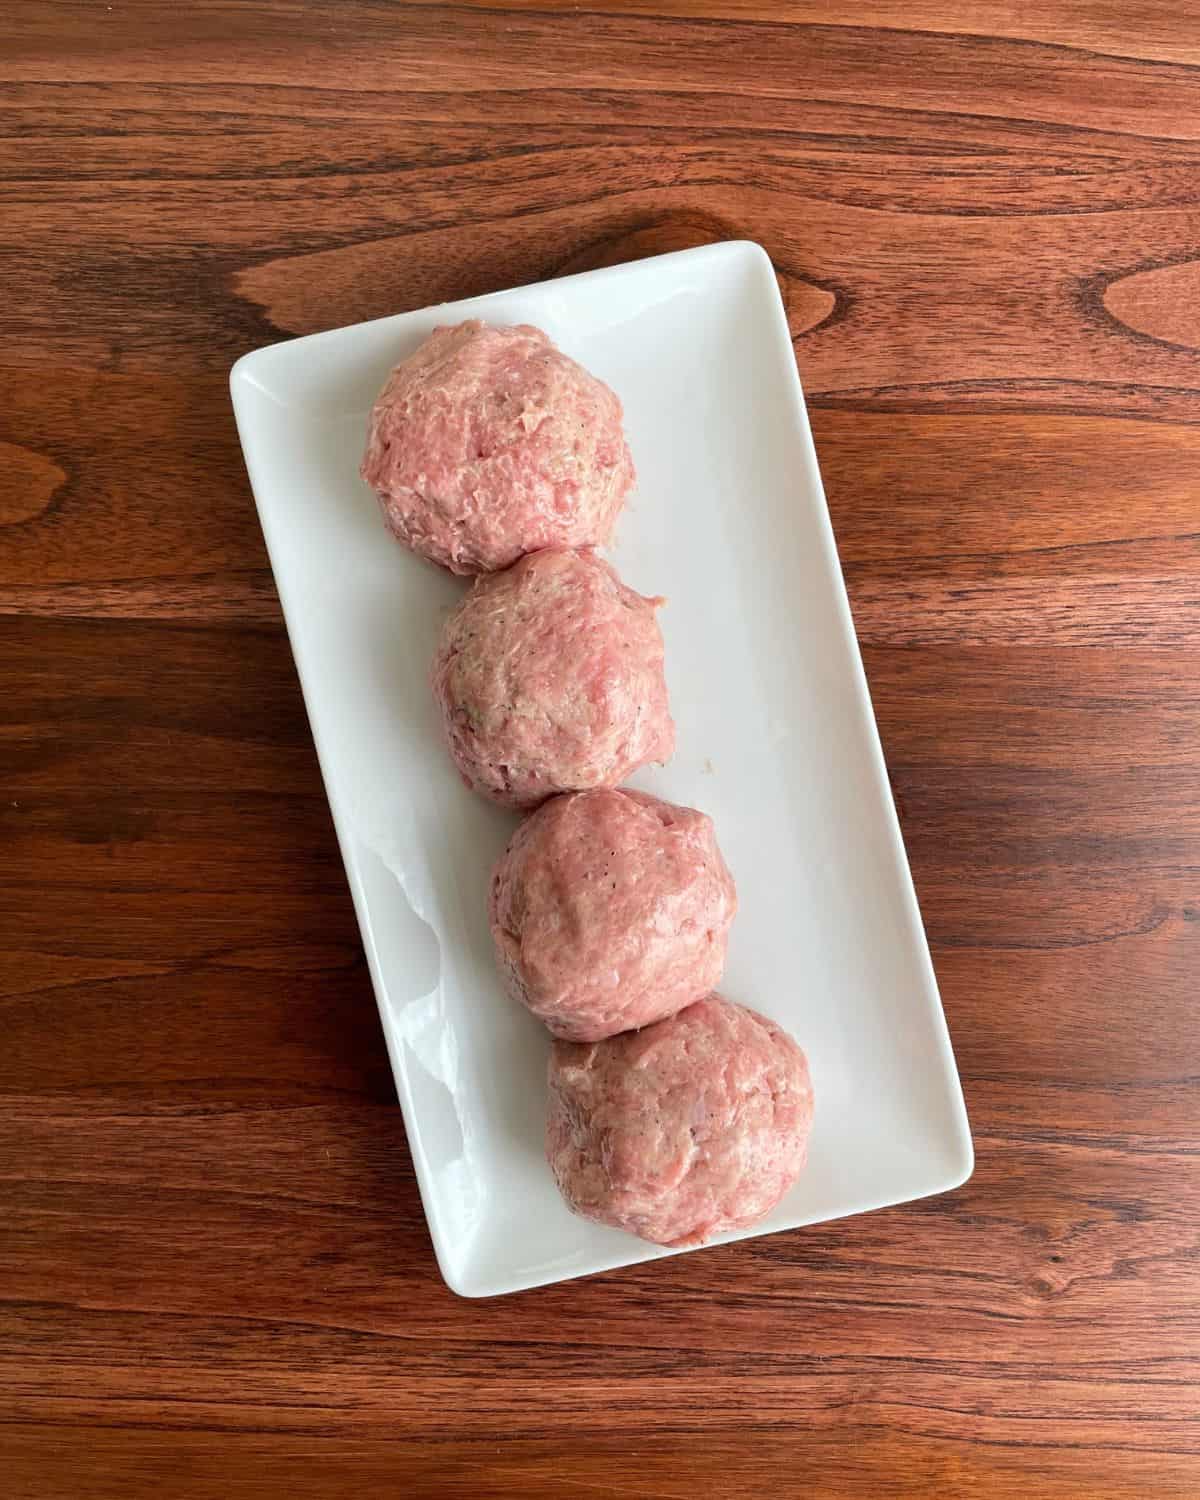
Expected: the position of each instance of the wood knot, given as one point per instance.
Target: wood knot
(29, 482)
(1160, 302)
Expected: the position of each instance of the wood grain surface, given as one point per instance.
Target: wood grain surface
(215, 1278)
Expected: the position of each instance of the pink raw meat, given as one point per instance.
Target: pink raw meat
(550, 679)
(611, 910)
(696, 1125)
(487, 443)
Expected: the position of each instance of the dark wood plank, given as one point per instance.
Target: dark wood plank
(1150, 29)
(215, 1276)
(858, 1457)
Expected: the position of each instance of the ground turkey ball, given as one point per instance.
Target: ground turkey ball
(550, 679)
(611, 910)
(488, 443)
(696, 1125)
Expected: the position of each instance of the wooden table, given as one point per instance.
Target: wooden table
(215, 1278)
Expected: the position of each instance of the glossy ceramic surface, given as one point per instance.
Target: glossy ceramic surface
(775, 733)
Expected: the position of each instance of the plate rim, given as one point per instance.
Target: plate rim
(959, 1157)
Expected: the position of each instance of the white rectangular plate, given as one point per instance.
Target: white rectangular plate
(775, 732)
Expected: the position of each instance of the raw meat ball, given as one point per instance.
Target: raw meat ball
(550, 679)
(610, 910)
(488, 443)
(696, 1125)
